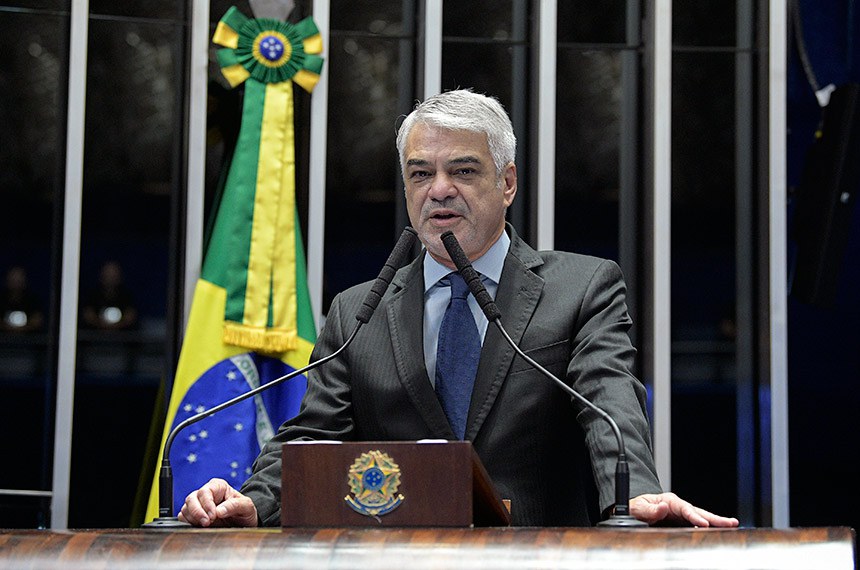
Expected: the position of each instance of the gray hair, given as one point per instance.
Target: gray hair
(464, 110)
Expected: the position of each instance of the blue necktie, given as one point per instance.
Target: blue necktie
(457, 356)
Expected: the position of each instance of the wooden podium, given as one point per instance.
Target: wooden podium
(426, 549)
(387, 484)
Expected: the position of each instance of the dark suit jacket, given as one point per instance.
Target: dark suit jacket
(553, 459)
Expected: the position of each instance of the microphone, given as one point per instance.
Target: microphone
(396, 260)
(620, 517)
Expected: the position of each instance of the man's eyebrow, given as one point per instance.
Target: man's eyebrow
(459, 160)
(465, 160)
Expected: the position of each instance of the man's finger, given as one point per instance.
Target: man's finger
(192, 512)
(717, 520)
(691, 514)
(238, 510)
(208, 500)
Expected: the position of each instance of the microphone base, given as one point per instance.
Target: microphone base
(622, 521)
(166, 523)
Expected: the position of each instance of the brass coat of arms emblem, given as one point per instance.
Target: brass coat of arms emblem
(373, 480)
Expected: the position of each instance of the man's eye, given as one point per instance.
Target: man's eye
(464, 171)
(419, 174)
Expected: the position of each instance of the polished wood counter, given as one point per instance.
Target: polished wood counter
(414, 549)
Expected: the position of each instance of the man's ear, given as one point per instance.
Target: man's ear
(509, 181)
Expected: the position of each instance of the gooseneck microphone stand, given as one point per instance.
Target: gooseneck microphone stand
(165, 477)
(620, 517)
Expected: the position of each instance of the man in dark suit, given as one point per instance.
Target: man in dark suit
(555, 460)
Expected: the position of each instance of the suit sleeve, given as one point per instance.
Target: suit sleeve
(601, 369)
(325, 414)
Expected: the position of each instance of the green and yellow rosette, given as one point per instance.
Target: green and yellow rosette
(267, 56)
(268, 50)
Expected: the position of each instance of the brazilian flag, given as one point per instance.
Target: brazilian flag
(251, 320)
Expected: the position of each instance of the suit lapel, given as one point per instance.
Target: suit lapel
(517, 297)
(405, 313)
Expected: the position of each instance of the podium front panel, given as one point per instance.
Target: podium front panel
(408, 483)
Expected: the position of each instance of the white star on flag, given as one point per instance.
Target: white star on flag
(200, 409)
(187, 407)
(192, 457)
(192, 437)
(231, 376)
(204, 434)
(238, 427)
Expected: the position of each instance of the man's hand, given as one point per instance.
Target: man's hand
(218, 504)
(670, 508)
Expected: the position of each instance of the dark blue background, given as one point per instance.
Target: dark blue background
(824, 344)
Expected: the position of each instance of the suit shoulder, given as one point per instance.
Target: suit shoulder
(354, 294)
(587, 264)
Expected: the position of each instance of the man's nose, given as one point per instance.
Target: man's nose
(442, 187)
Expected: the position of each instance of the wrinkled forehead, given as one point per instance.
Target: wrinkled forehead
(425, 137)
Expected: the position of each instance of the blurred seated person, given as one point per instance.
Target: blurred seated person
(110, 306)
(18, 306)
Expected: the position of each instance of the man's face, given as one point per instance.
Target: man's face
(451, 184)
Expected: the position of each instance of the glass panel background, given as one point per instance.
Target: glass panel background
(371, 85)
(704, 385)
(592, 21)
(482, 19)
(133, 178)
(588, 131)
(155, 9)
(32, 140)
(704, 23)
(36, 5)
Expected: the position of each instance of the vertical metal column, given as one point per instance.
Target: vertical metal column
(70, 278)
(658, 234)
(546, 97)
(777, 322)
(198, 61)
(317, 177)
(432, 48)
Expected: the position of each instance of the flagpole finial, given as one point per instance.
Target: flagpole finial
(274, 9)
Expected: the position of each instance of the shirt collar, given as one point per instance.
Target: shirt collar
(489, 265)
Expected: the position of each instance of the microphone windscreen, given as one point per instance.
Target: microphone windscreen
(398, 256)
(472, 278)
